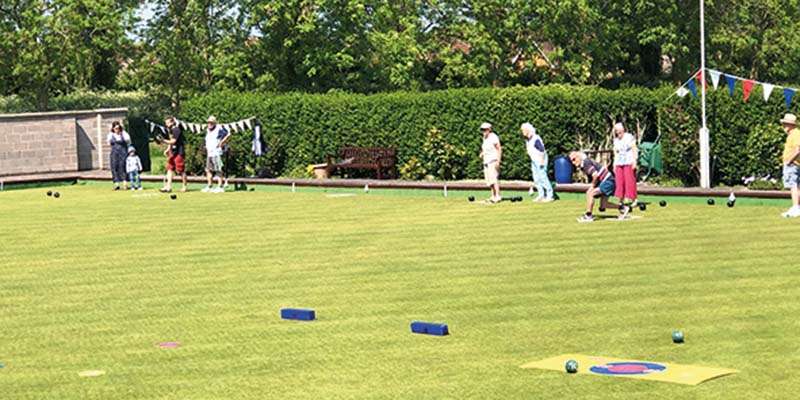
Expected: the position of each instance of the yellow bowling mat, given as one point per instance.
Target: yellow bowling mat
(646, 370)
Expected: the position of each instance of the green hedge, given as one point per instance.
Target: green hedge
(746, 138)
(431, 130)
(436, 132)
(139, 104)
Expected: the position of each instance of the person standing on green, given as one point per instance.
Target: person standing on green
(538, 155)
(491, 153)
(791, 164)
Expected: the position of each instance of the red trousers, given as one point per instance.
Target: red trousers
(626, 182)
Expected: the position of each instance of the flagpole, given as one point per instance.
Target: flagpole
(705, 168)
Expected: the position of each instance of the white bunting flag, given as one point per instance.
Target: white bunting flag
(682, 92)
(714, 77)
(241, 125)
(248, 123)
(767, 90)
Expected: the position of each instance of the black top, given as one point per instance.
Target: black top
(179, 148)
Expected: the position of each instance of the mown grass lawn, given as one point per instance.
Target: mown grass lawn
(95, 279)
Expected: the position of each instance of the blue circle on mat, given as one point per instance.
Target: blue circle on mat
(627, 368)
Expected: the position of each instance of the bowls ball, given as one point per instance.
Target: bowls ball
(571, 366)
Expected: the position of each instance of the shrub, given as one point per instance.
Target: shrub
(435, 133)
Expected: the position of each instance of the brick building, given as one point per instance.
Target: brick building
(62, 141)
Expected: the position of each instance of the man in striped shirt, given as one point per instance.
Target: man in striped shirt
(602, 185)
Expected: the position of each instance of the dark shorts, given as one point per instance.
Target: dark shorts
(175, 163)
(607, 187)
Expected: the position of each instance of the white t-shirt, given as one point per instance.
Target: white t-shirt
(212, 142)
(490, 153)
(624, 149)
(535, 147)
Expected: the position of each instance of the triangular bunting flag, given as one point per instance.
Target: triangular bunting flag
(682, 92)
(714, 78)
(747, 87)
(241, 125)
(701, 77)
(731, 84)
(788, 95)
(692, 87)
(248, 123)
(767, 90)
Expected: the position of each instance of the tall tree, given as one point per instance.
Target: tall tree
(57, 46)
(190, 46)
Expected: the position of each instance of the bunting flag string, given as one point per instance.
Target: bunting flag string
(233, 127)
(748, 85)
(154, 125)
(688, 87)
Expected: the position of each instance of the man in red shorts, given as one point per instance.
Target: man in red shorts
(175, 152)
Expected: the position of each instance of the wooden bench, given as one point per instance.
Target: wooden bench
(380, 159)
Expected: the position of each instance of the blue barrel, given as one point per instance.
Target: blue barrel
(563, 170)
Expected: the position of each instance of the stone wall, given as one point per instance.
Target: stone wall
(56, 141)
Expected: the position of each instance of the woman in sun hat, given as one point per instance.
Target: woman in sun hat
(492, 154)
(791, 163)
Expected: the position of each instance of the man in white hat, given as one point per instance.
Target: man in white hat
(491, 153)
(216, 137)
(791, 163)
